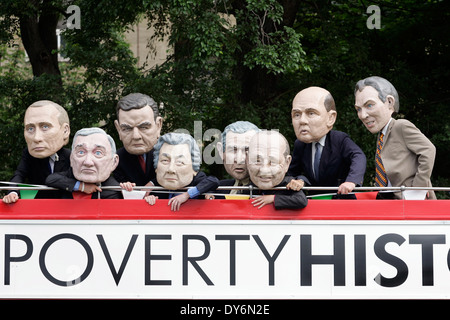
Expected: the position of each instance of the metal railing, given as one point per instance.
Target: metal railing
(251, 189)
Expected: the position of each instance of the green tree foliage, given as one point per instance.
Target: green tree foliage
(411, 50)
(88, 86)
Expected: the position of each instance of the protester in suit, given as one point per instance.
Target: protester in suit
(92, 160)
(232, 149)
(139, 126)
(407, 155)
(267, 162)
(177, 162)
(46, 131)
(325, 157)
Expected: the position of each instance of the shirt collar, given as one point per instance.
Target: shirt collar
(322, 141)
(54, 157)
(242, 182)
(384, 130)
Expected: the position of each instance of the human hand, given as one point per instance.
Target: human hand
(346, 187)
(176, 202)
(11, 197)
(128, 186)
(209, 197)
(149, 184)
(295, 185)
(261, 201)
(151, 199)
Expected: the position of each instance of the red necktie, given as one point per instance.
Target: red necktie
(142, 162)
(380, 172)
(81, 195)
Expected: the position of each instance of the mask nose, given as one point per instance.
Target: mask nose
(171, 167)
(240, 157)
(88, 160)
(38, 135)
(136, 133)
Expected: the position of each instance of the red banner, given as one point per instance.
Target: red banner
(226, 209)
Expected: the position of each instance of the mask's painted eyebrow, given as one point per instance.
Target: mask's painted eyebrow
(144, 124)
(100, 146)
(40, 124)
(370, 101)
(83, 145)
(307, 110)
(181, 156)
(80, 145)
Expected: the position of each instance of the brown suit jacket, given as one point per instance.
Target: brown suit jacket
(408, 156)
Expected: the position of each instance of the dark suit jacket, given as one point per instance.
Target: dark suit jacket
(65, 181)
(203, 183)
(341, 161)
(34, 171)
(130, 170)
(285, 199)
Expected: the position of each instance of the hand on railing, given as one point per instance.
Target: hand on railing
(89, 188)
(295, 185)
(346, 188)
(151, 199)
(11, 197)
(261, 201)
(128, 186)
(176, 202)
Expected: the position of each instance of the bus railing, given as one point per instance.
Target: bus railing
(250, 188)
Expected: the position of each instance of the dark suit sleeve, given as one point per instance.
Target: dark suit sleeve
(290, 200)
(61, 180)
(119, 172)
(23, 168)
(357, 160)
(119, 175)
(296, 168)
(111, 194)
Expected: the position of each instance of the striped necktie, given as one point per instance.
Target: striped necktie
(380, 172)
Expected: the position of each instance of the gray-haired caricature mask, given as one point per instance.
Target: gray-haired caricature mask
(91, 158)
(174, 169)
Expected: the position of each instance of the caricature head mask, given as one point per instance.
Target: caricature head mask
(176, 159)
(46, 128)
(93, 157)
(268, 159)
(313, 114)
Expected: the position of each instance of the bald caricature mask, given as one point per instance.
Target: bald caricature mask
(313, 114)
(268, 159)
